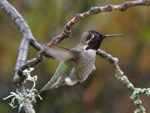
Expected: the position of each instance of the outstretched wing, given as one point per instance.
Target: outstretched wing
(57, 79)
(61, 53)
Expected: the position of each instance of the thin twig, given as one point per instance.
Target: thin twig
(119, 74)
(66, 32)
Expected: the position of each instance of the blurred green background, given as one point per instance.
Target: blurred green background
(101, 92)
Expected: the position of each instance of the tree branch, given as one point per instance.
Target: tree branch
(66, 32)
(119, 74)
(27, 38)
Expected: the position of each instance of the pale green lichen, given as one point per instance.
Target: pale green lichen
(135, 93)
(129, 85)
(137, 101)
(140, 110)
(30, 95)
(148, 92)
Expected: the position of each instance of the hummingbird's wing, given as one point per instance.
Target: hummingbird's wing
(61, 53)
(57, 79)
(68, 59)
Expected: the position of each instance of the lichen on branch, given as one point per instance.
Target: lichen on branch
(31, 93)
(119, 74)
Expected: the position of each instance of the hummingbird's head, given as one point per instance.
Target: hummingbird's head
(93, 39)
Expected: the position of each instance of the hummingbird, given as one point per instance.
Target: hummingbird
(77, 63)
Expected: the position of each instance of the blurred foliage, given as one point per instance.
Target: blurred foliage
(101, 93)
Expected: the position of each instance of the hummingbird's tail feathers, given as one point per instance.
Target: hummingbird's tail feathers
(46, 87)
(67, 81)
(114, 35)
(51, 85)
(61, 53)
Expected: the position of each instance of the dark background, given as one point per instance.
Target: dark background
(101, 92)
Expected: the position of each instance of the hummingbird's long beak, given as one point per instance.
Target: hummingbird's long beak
(113, 35)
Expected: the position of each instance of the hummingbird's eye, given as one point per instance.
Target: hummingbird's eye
(96, 35)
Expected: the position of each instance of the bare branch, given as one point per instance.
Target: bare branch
(95, 10)
(27, 38)
(24, 29)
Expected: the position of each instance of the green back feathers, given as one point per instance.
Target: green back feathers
(84, 37)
